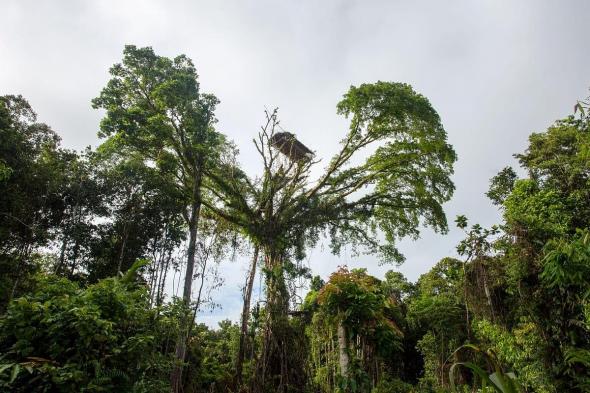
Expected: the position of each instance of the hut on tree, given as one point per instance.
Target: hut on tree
(287, 144)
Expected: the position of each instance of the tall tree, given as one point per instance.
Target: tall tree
(143, 218)
(155, 107)
(546, 217)
(34, 172)
(402, 184)
(438, 312)
(363, 316)
(83, 201)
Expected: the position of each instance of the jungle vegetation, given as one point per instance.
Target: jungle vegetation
(91, 243)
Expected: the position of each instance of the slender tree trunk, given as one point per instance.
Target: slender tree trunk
(467, 322)
(488, 294)
(22, 255)
(343, 358)
(154, 270)
(188, 282)
(75, 257)
(245, 316)
(122, 253)
(78, 220)
(204, 259)
(62, 255)
(163, 277)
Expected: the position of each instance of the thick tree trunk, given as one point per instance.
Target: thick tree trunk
(186, 293)
(245, 316)
(343, 359)
(273, 368)
(190, 264)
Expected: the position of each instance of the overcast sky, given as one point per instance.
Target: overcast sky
(494, 70)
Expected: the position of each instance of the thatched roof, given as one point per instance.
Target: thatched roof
(287, 144)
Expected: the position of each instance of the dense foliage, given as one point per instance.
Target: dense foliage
(94, 246)
(103, 337)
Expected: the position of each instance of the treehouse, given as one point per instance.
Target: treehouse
(287, 144)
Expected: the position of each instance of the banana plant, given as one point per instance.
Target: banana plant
(499, 381)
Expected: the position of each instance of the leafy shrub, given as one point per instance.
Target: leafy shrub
(393, 386)
(103, 338)
(499, 380)
(521, 349)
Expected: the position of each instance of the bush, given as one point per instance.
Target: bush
(392, 386)
(103, 338)
(520, 349)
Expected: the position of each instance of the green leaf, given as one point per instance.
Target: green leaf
(15, 371)
(4, 367)
(481, 373)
